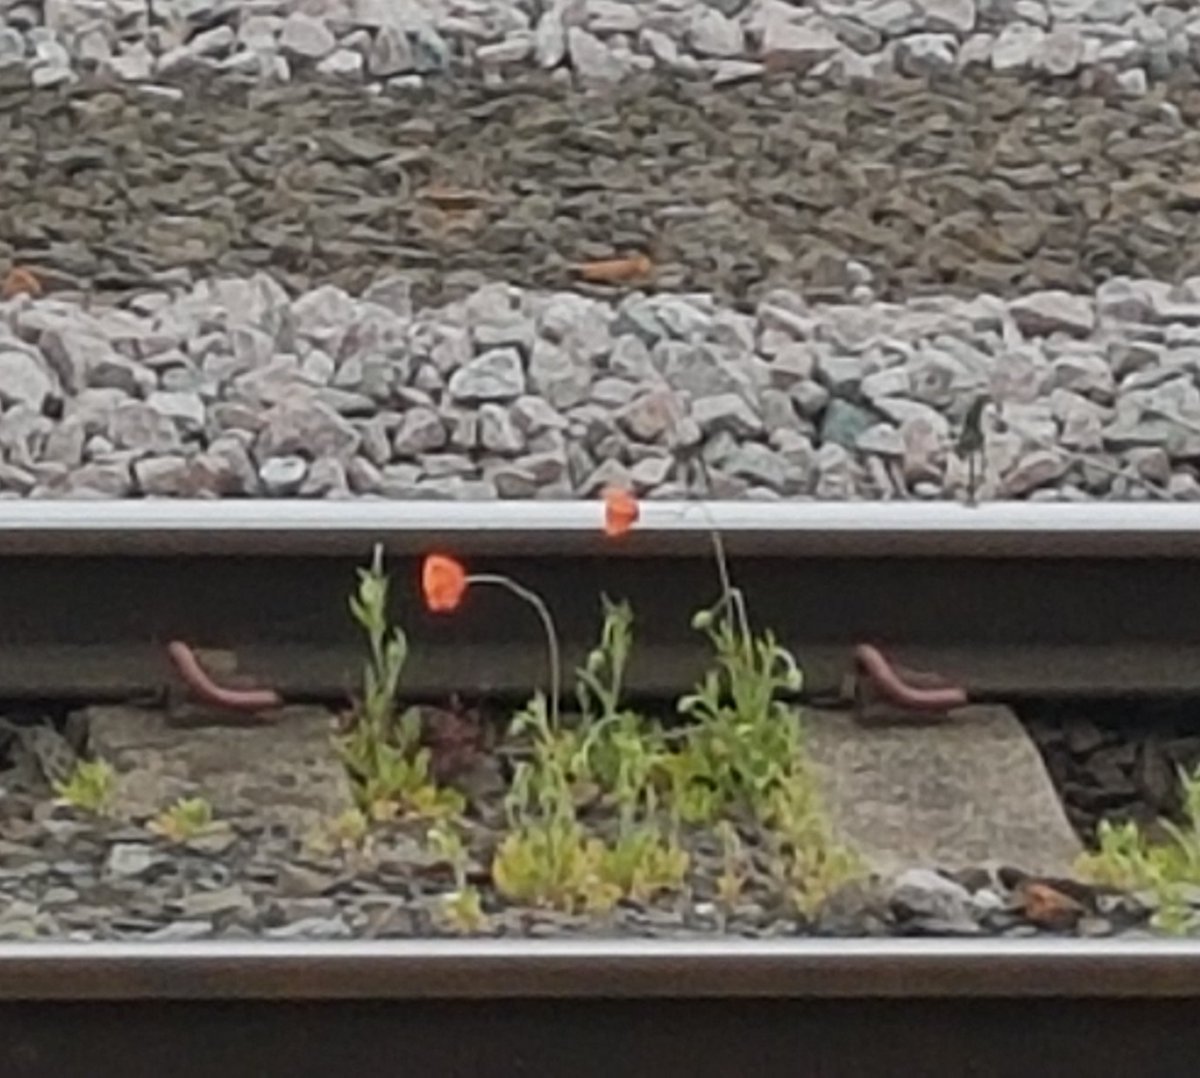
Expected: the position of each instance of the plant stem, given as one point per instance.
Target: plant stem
(543, 611)
(732, 595)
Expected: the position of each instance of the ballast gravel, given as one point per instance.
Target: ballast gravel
(266, 868)
(1124, 44)
(233, 388)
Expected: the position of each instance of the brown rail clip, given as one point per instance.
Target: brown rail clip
(218, 704)
(885, 692)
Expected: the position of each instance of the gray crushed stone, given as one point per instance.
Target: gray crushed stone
(989, 186)
(1124, 44)
(233, 388)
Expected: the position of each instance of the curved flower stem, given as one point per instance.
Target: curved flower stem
(543, 611)
(732, 596)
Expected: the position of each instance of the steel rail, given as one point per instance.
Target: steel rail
(526, 1010)
(589, 969)
(1005, 599)
(801, 529)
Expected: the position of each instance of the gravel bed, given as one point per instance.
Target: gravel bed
(232, 388)
(1121, 43)
(70, 875)
(992, 186)
(74, 878)
(1117, 761)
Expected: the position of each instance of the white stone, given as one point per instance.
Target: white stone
(211, 42)
(495, 375)
(512, 50)
(135, 425)
(1112, 10)
(955, 16)
(1017, 47)
(712, 34)
(391, 54)
(976, 51)
(1034, 469)
(12, 46)
(420, 431)
(498, 432)
(726, 412)
(1133, 83)
(593, 61)
(184, 408)
(259, 31)
(661, 46)
(550, 38)
(283, 475)
(785, 44)
(926, 54)
(882, 439)
(92, 47)
(24, 379)
(890, 17)
(1062, 51)
(726, 72)
(342, 64)
(892, 382)
(306, 36)
(1034, 12)
(163, 476)
(1043, 313)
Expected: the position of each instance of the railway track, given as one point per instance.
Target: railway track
(1006, 600)
(869, 1008)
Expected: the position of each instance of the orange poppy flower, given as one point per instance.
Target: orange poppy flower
(443, 583)
(621, 511)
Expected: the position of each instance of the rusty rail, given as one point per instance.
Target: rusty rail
(866, 1008)
(998, 601)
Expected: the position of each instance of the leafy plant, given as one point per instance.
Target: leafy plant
(642, 864)
(544, 785)
(1126, 858)
(90, 787)
(809, 863)
(382, 752)
(348, 833)
(745, 753)
(464, 910)
(619, 751)
(188, 818)
(600, 681)
(463, 907)
(745, 738)
(732, 880)
(741, 756)
(552, 862)
(548, 858)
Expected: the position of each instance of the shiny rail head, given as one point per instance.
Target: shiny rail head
(667, 528)
(591, 969)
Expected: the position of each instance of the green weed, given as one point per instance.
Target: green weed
(90, 787)
(389, 767)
